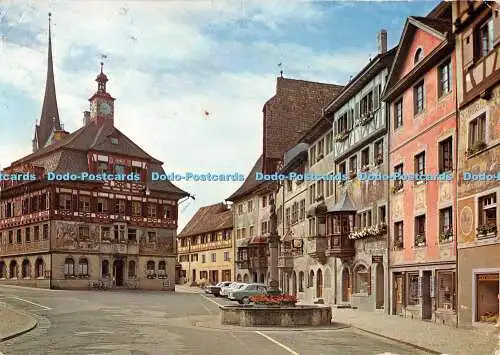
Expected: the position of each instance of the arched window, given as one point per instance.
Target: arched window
(238, 278)
(246, 278)
(361, 279)
(419, 54)
(150, 267)
(69, 267)
(162, 268)
(39, 268)
(131, 269)
(301, 281)
(311, 279)
(105, 268)
(3, 270)
(83, 267)
(13, 270)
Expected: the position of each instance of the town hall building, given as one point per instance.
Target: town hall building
(75, 234)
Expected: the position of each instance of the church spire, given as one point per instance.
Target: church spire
(49, 119)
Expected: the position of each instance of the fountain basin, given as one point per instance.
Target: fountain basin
(282, 316)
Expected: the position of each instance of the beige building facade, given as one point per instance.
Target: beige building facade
(205, 247)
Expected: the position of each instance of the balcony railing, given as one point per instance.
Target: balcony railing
(339, 246)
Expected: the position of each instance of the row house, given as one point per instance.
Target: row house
(303, 242)
(421, 97)
(287, 116)
(477, 32)
(71, 234)
(357, 230)
(205, 246)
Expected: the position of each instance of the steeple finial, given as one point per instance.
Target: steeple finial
(49, 119)
(102, 65)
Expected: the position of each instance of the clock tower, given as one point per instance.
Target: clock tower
(101, 103)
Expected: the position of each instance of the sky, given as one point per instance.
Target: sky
(171, 62)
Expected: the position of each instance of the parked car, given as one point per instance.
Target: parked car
(215, 290)
(224, 292)
(243, 294)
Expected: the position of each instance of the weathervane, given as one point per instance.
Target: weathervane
(280, 65)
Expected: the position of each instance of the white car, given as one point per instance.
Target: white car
(224, 292)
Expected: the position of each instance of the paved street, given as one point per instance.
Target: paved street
(91, 322)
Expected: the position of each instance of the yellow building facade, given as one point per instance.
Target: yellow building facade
(205, 247)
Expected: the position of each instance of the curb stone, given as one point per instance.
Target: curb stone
(21, 332)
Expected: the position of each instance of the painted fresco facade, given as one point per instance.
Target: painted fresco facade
(360, 150)
(421, 95)
(477, 31)
(83, 233)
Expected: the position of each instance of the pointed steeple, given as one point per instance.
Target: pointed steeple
(49, 119)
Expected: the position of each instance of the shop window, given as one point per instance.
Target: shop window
(446, 290)
(413, 294)
(361, 279)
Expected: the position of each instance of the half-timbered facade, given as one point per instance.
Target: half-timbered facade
(477, 31)
(360, 157)
(71, 233)
(205, 246)
(421, 96)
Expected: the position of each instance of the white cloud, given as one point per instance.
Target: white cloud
(160, 99)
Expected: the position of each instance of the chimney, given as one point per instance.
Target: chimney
(86, 117)
(382, 41)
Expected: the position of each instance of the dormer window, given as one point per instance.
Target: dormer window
(419, 54)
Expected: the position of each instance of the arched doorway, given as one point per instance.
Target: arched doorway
(26, 269)
(13, 270)
(346, 285)
(118, 272)
(319, 284)
(294, 283)
(238, 278)
(380, 286)
(3, 270)
(262, 278)
(245, 278)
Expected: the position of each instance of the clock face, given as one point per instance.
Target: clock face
(105, 108)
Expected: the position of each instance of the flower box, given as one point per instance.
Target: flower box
(365, 119)
(398, 186)
(365, 168)
(446, 236)
(420, 240)
(276, 301)
(486, 231)
(342, 136)
(477, 147)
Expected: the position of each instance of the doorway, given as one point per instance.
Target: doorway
(118, 271)
(193, 276)
(487, 290)
(214, 276)
(379, 291)
(399, 292)
(346, 285)
(294, 283)
(426, 295)
(319, 284)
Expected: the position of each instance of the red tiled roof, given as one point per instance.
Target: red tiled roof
(209, 219)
